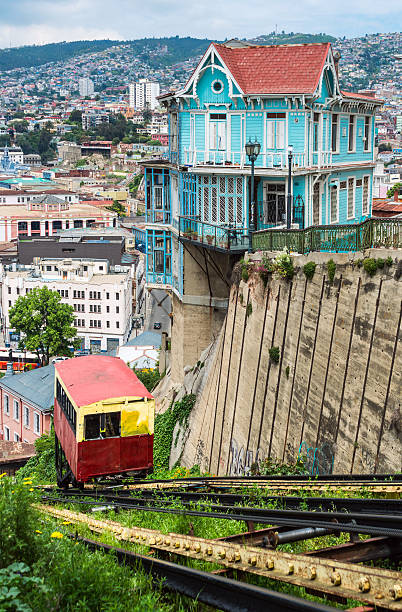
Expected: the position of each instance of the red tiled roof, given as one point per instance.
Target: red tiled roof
(351, 94)
(387, 205)
(276, 69)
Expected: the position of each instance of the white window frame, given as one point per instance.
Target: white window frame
(36, 430)
(334, 188)
(6, 433)
(367, 210)
(368, 139)
(6, 405)
(276, 136)
(16, 437)
(26, 412)
(354, 122)
(16, 410)
(352, 178)
(338, 127)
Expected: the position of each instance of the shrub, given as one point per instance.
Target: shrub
(244, 273)
(309, 269)
(389, 261)
(331, 267)
(269, 466)
(287, 371)
(17, 586)
(165, 423)
(283, 265)
(380, 263)
(274, 354)
(249, 309)
(359, 263)
(149, 378)
(41, 467)
(370, 266)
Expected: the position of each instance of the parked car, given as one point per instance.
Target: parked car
(157, 325)
(58, 359)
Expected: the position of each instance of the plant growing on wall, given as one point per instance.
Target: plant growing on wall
(249, 309)
(389, 261)
(331, 267)
(370, 266)
(283, 265)
(178, 412)
(274, 354)
(309, 269)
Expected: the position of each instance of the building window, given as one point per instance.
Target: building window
(107, 323)
(16, 438)
(334, 204)
(335, 133)
(16, 410)
(365, 204)
(9, 291)
(65, 405)
(316, 131)
(217, 132)
(36, 423)
(367, 133)
(351, 198)
(117, 296)
(117, 324)
(351, 141)
(107, 308)
(26, 416)
(217, 86)
(276, 130)
(6, 404)
(6, 432)
(117, 310)
(107, 296)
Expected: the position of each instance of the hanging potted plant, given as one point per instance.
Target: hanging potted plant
(210, 238)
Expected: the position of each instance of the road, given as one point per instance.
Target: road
(158, 310)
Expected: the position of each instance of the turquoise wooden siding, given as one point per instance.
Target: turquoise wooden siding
(184, 133)
(255, 122)
(200, 136)
(296, 130)
(204, 87)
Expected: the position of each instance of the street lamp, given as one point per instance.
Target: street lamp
(289, 199)
(252, 152)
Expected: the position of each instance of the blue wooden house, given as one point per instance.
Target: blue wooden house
(288, 99)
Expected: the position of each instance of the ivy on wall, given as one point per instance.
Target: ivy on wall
(178, 412)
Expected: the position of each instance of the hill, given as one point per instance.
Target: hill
(291, 38)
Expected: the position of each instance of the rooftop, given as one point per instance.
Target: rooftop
(96, 377)
(36, 386)
(75, 210)
(147, 338)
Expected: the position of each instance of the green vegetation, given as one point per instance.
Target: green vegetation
(41, 467)
(165, 423)
(283, 265)
(118, 208)
(389, 261)
(38, 141)
(309, 269)
(249, 309)
(45, 324)
(42, 569)
(331, 267)
(274, 354)
(391, 190)
(149, 378)
(287, 371)
(135, 183)
(269, 467)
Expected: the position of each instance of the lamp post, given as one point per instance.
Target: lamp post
(252, 152)
(289, 198)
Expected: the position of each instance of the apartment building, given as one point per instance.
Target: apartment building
(85, 87)
(100, 295)
(143, 94)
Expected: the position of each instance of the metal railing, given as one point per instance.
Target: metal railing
(220, 237)
(372, 233)
(276, 160)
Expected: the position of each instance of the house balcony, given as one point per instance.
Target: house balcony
(223, 238)
(275, 161)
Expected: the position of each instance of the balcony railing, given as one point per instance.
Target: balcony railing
(373, 233)
(276, 161)
(225, 238)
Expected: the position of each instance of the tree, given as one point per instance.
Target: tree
(45, 324)
(118, 208)
(147, 114)
(75, 117)
(391, 190)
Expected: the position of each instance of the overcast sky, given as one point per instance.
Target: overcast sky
(43, 21)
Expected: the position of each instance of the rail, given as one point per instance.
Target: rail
(276, 160)
(219, 237)
(372, 233)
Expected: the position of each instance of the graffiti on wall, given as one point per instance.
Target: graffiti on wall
(242, 459)
(318, 459)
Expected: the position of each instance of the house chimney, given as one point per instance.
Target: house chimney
(396, 195)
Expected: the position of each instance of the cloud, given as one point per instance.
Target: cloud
(41, 21)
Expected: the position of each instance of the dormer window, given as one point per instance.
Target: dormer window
(217, 86)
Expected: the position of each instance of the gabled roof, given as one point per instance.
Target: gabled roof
(147, 338)
(36, 386)
(275, 69)
(358, 96)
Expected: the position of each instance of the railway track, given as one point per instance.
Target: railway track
(314, 571)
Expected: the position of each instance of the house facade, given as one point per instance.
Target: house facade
(288, 99)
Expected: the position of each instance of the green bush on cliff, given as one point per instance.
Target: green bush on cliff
(370, 266)
(331, 267)
(309, 269)
(178, 412)
(283, 265)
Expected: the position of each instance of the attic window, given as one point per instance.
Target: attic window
(217, 86)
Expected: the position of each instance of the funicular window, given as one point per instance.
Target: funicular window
(100, 426)
(66, 406)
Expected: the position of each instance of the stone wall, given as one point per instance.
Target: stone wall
(335, 394)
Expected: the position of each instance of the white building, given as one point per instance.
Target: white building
(101, 297)
(143, 94)
(85, 87)
(15, 154)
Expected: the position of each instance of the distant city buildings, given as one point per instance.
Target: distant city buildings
(93, 119)
(144, 94)
(101, 297)
(85, 87)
